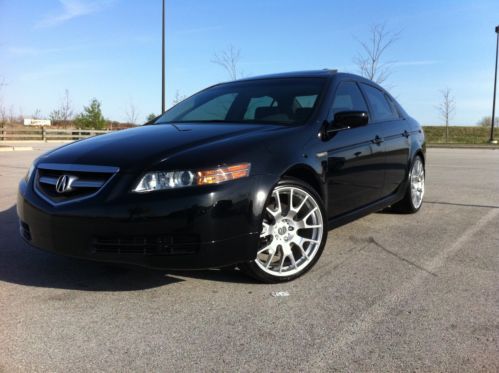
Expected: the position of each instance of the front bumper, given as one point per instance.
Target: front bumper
(194, 228)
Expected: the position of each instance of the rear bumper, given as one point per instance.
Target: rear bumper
(198, 229)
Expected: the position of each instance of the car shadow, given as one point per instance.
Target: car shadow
(24, 265)
(392, 211)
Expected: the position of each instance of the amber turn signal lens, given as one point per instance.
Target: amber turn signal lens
(221, 174)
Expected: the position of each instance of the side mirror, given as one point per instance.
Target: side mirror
(348, 119)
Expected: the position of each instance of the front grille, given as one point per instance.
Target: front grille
(81, 181)
(147, 245)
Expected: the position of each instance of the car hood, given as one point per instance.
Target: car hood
(139, 148)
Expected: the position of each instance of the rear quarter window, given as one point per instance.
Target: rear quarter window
(382, 109)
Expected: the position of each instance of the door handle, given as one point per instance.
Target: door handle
(406, 134)
(377, 140)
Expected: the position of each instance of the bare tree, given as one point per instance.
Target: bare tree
(20, 116)
(12, 115)
(229, 60)
(447, 109)
(64, 112)
(66, 107)
(370, 59)
(486, 121)
(3, 109)
(178, 97)
(37, 114)
(3, 113)
(132, 114)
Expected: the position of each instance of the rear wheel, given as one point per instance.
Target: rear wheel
(413, 198)
(293, 233)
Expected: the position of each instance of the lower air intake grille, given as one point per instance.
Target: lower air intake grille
(146, 245)
(24, 230)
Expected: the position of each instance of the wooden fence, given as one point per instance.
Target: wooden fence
(46, 134)
(434, 134)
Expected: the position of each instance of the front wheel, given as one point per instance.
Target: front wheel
(293, 233)
(413, 198)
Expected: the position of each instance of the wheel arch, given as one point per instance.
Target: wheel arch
(308, 175)
(421, 154)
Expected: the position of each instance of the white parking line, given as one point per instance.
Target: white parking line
(378, 312)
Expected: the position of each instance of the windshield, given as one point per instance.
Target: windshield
(274, 101)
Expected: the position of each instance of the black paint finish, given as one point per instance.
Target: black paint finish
(356, 171)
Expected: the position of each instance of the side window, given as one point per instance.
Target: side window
(381, 108)
(393, 106)
(215, 109)
(348, 98)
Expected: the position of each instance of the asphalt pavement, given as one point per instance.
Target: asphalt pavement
(390, 293)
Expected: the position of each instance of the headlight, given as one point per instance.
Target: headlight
(161, 180)
(30, 172)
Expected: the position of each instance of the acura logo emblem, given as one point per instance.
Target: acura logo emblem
(64, 183)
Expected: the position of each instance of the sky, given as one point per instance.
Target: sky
(111, 49)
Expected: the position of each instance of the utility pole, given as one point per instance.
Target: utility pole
(492, 141)
(163, 107)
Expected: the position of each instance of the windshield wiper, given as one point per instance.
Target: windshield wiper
(207, 121)
(171, 123)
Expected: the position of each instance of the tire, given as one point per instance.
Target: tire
(293, 234)
(413, 198)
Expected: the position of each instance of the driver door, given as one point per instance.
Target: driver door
(355, 173)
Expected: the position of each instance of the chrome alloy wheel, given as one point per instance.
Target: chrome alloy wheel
(417, 183)
(292, 231)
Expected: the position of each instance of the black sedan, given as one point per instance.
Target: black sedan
(250, 173)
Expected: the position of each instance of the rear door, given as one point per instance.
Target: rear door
(395, 133)
(355, 157)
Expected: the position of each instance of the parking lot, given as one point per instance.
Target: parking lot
(390, 293)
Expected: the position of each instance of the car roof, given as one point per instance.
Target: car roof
(296, 74)
(325, 73)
